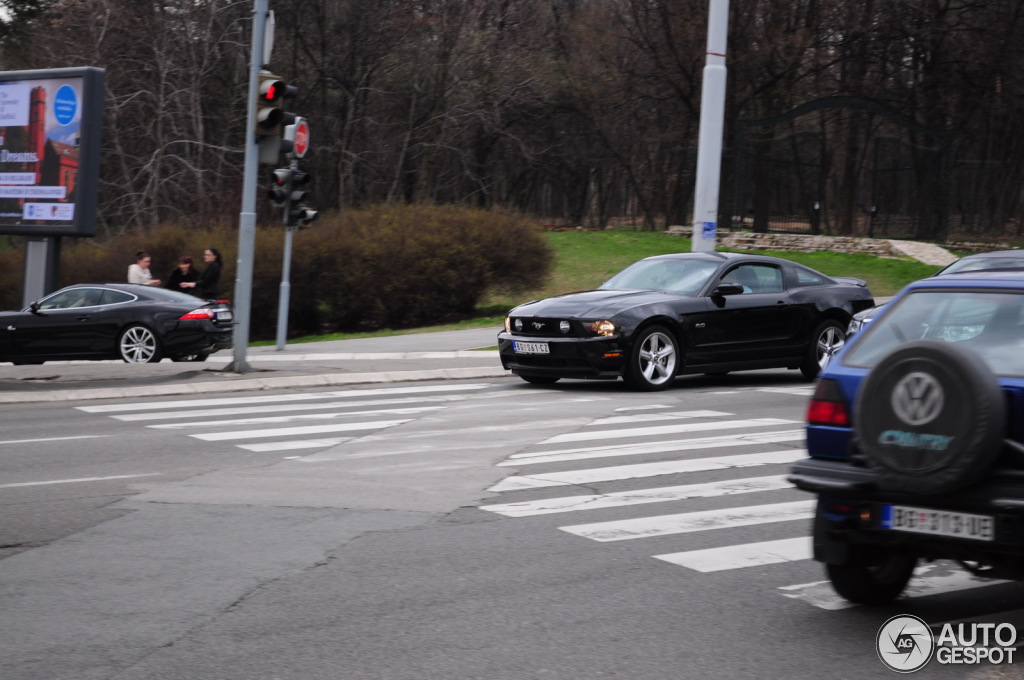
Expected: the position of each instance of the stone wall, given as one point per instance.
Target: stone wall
(805, 243)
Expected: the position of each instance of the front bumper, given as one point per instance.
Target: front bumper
(598, 357)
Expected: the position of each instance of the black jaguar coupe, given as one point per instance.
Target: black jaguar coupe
(685, 313)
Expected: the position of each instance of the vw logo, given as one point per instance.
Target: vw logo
(917, 399)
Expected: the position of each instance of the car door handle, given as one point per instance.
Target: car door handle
(11, 328)
(84, 317)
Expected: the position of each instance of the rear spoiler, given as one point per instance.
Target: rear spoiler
(850, 280)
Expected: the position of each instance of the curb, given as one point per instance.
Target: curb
(319, 380)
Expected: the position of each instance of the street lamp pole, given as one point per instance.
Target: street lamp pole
(709, 140)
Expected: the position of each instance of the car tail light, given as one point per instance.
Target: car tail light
(201, 313)
(827, 405)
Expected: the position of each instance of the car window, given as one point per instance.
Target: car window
(989, 323)
(677, 275)
(113, 297)
(756, 278)
(68, 299)
(808, 277)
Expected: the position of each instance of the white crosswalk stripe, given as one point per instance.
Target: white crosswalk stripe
(671, 433)
(294, 421)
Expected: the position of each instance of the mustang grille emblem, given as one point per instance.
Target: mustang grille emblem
(538, 325)
(917, 399)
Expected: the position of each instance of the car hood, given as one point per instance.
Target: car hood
(592, 303)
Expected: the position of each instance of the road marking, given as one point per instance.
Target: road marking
(229, 401)
(292, 418)
(290, 408)
(936, 578)
(745, 555)
(289, 431)
(665, 525)
(652, 417)
(640, 496)
(55, 439)
(620, 472)
(294, 445)
(79, 480)
(615, 450)
(666, 429)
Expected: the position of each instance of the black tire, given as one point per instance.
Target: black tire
(930, 418)
(654, 360)
(201, 356)
(539, 379)
(137, 344)
(827, 339)
(872, 574)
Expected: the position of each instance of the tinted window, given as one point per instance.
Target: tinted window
(68, 299)
(989, 323)
(756, 278)
(809, 277)
(113, 297)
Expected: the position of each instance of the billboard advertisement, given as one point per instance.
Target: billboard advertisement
(50, 133)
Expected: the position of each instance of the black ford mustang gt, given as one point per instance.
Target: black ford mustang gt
(138, 324)
(683, 313)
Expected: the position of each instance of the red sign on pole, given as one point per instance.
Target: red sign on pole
(301, 143)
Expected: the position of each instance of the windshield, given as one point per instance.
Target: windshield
(674, 274)
(991, 323)
(975, 264)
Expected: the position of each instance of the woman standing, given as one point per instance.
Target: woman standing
(185, 273)
(208, 285)
(139, 272)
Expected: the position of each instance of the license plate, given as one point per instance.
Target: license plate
(224, 316)
(531, 347)
(938, 522)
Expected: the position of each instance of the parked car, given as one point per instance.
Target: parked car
(138, 324)
(915, 436)
(996, 260)
(684, 313)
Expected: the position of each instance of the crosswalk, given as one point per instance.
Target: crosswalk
(599, 455)
(675, 475)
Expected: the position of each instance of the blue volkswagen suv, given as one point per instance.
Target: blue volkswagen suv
(915, 436)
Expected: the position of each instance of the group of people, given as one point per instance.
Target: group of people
(185, 277)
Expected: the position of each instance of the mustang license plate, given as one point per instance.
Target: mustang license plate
(938, 522)
(530, 347)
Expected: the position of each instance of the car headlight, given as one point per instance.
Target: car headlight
(508, 324)
(854, 327)
(603, 327)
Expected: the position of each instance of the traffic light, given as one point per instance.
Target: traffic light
(269, 115)
(280, 189)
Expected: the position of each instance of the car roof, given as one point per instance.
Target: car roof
(1016, 252)
(721, 257)
(988, 278)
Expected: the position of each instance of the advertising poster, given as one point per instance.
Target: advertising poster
(49, 146)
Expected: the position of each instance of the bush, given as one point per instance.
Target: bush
(406, 266)
(386, 266)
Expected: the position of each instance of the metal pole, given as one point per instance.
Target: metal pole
(712, 116)
(285, 289)
(247, 217)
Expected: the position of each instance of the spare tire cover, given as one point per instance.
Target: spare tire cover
(930, 418)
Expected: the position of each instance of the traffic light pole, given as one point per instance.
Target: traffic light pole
(285, 289)
(247, 217)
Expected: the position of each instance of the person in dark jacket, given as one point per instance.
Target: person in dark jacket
(184, 273)
(208, 285)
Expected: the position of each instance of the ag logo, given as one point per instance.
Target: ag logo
(917, 398)
(905, 643)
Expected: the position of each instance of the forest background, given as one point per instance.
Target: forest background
(569, 112)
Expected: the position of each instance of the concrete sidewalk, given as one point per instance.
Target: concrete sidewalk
(423, 356)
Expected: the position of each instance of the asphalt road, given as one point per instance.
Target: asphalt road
(457, 529)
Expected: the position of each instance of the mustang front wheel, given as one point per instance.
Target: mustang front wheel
(827, 339)
(654, 359)
(138, 345)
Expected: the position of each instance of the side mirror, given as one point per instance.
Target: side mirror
(34, 307)
(724, 289)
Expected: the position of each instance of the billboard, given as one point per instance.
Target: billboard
(50, 131)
